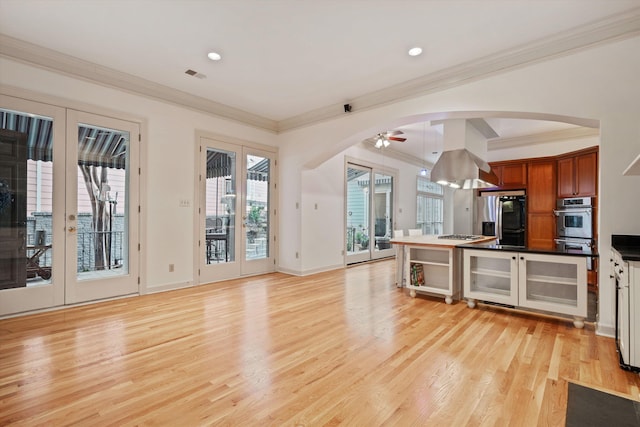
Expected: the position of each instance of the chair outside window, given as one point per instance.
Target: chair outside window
(217, 236)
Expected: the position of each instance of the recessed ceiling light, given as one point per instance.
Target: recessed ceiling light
(214, 56)
(415, 51)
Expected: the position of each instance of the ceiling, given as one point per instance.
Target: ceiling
(287, 63)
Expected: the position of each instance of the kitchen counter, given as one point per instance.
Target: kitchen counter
(428, 264)
(627, 246)
(506, 248)
(434, 241)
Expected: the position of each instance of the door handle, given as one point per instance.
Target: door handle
(72, 229)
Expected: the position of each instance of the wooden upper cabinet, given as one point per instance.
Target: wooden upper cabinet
(541, 201)
(512, 174)
(578, 175)
(541, 186)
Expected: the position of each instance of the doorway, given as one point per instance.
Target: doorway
(236, 198)
(67, 194)
(369, 211)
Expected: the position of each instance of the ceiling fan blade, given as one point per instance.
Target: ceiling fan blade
(395, 138)
(394, 132)
(370, 140)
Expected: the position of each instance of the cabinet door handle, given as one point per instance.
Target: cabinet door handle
(522, 258)
(513, 257)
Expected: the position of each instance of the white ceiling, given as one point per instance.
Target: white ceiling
(286, 58)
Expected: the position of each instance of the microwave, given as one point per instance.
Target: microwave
(574, 218)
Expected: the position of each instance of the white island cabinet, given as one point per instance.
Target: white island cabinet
(551, 283)
(431, 264)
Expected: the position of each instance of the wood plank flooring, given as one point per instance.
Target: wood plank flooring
(339, 348)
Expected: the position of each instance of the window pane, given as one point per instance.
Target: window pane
(103, 157)
(429, 206)
(257, 209)
(26, 194)
(220, 206)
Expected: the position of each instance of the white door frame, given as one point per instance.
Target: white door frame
(103, 285)
(204, 273)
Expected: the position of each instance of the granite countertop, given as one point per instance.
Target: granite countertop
(628, 246)
(567, 252)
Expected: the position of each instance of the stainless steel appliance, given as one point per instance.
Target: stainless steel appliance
(574, 218)
(625, 274)
(502, 214)
(568, 244)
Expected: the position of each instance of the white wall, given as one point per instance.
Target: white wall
(600, 83)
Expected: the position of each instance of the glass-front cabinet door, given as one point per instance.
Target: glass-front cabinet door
(490, 276)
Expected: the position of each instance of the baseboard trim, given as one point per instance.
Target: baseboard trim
(167, 287)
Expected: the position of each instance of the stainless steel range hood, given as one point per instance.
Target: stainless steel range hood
(463, 169)
(458, 166)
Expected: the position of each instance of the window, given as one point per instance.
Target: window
(430, 206)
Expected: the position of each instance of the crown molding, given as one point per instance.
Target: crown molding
(52, 60)
(542, 138)
(616, 27)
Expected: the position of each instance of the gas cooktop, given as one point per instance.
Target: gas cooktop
(460, 237)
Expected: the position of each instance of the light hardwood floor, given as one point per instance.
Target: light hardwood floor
(339, 348)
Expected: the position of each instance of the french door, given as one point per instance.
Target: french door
(236, 197)
(68, 206)
(369, 213)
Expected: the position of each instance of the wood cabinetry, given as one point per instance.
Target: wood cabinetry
(541, 201)
(550, 283)
(511, 174)
(578, 174)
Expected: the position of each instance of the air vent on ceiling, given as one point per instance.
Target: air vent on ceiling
(195, 74)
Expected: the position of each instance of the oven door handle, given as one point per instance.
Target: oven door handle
(557, 212)
(572, 245)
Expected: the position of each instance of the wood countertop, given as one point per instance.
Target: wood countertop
(434, 241)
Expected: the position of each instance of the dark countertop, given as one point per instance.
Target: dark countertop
(506, 248)
(628, 246)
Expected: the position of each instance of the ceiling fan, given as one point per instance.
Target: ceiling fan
(385, 138)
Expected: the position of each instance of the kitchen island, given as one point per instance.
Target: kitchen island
(430, 264)
(549, 280)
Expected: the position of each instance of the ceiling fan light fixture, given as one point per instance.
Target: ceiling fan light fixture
(386, 142)
(379, 143)
(415, 51)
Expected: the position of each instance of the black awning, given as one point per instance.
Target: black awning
(220, 165)
(96, 146)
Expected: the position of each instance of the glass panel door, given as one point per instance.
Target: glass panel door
(236, 192)
(369, 213)
(358, 216)
(31, 254)
(101, 212)
(383, 211)
(258, 212)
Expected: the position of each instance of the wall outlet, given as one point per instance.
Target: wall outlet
(184, 203)
(171, 268)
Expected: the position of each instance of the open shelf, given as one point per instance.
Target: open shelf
(418, 261)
